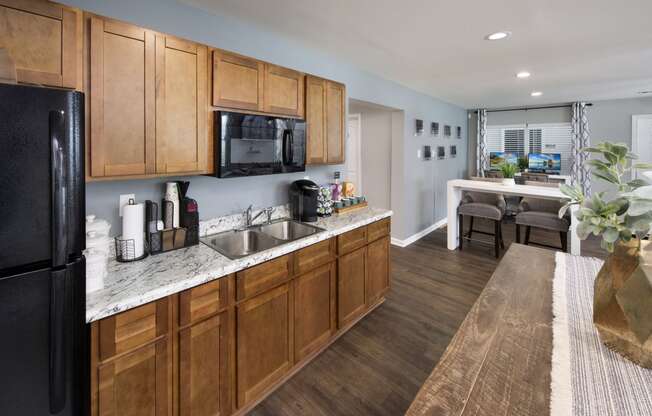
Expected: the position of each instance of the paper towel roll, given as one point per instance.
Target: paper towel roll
(133, 226)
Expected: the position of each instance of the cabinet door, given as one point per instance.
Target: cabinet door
(181, 106)
(314, 309)
(264, 341)
(335, 108)
(44, 40)
(351, 293)
(122, 100)
(316, 120)
(137, 383)
(378, 269)
(237, 81)
(284, 91)
(203, 381)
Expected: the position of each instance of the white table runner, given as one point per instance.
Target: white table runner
(587, 377)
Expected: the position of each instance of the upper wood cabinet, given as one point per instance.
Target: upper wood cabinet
(44, 39)
(284, 91)
(264, 339)
(237, 81)
(182, 108)
(325, 112)
(149, 109)
(122, 99)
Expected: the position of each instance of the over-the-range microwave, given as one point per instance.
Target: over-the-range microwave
(250, 145)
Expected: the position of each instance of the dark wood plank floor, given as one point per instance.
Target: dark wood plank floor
(378, 367)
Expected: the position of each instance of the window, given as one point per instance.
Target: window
(541, 138)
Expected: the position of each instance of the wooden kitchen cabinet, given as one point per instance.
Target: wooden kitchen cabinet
(351, 292)
(137, 383)
(265, 325)
(149, 107)
(377, 270)
(284, 91)
(314, 309)
(182, 110)
(237, 81)
(325, 113)
(44, 40)
(203, 368)
(122, 99)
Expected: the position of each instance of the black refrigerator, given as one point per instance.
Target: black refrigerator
(43, 336)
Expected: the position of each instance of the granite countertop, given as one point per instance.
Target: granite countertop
(128, 285)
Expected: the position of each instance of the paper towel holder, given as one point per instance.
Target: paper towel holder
(125, 250)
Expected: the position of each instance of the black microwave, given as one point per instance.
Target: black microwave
(250, 145)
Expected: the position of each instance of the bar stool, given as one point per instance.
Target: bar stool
(482, 205)
(542, 214)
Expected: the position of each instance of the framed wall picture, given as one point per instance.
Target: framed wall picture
(458, 132)
(418, 127)
(453, 150)
(427, 153)
(441, 152)
(434, 129)
(447, 131)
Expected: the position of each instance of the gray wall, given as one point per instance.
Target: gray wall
(376, 152)
(217, 197)
(611, 120)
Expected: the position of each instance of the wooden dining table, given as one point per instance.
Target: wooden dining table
(499, 361)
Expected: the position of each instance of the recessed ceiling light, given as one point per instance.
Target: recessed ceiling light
(498, 35)
(523, 74)
(536, 93)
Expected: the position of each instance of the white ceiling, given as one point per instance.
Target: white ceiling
(575, 49)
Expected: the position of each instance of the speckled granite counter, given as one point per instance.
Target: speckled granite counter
(133, 284)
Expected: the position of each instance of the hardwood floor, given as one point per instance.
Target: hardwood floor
(378, 367)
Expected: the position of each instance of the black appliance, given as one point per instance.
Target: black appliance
(44, 347)
(303, 200)
(249, 145)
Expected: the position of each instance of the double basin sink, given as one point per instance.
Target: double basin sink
(240, 243)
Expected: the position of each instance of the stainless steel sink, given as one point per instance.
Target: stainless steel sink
(237, 244)
(288, 230)
(240, 243)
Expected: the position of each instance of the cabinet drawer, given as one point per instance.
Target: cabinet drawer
(256, 279)
(203, 301)
(133, 328)
(314, 256)
(351, 240)
(378, 229)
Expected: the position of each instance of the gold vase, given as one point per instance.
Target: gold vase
(622, 303)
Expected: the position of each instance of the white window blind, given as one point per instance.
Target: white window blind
(541, 138)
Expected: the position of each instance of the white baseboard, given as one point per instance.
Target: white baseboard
(411, 239)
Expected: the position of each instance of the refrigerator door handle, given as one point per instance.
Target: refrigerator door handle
(57, 341)
(59, 198)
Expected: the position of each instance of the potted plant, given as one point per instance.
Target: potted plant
(622, 303)
(508, 170)
(523, 164)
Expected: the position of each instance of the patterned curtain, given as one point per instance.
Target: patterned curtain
(580, 173)
(482, 156)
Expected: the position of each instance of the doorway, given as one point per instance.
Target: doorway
(642, 139)
(352, 161)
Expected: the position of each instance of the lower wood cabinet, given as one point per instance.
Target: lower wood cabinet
(220, 347)
(314, 309)
(377, 269)
(264, 338)
(137, 383)
(351, 299)
(203, 368)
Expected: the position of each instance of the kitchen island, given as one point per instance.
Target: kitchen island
(194, 332)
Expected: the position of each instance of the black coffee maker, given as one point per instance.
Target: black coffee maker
(303, 200)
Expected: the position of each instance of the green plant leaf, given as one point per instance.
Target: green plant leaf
(642, 165)
(639, 206)
(610, 235)
(643, 192)
(617, 206)
(583, 230)
(636, 183)
(606, 177)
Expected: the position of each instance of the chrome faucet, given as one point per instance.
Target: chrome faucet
(249, 220)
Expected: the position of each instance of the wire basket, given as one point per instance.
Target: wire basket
(125, 250)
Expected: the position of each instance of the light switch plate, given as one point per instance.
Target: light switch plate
(124, 200)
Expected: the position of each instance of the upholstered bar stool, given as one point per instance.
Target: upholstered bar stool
(542, 214)
(482, 205)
